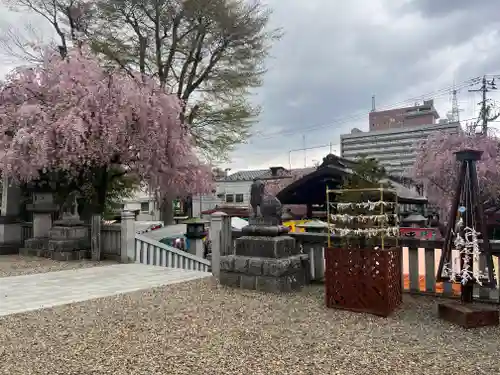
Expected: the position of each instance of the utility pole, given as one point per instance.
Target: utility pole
(305, 155)
(486, 86)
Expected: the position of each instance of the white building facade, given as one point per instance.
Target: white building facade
(145, 203)
(230, 191)
(395, 149)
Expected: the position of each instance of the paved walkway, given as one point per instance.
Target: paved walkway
(33, 292)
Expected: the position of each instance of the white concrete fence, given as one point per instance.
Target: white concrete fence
(122, 243)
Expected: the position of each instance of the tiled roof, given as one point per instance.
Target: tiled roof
(298, 171)
(262, 173)
(245, 175)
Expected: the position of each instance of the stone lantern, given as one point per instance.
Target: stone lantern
(196, 231)
(414, 220)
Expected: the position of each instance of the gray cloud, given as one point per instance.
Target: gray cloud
(444, 8)
(335, 56)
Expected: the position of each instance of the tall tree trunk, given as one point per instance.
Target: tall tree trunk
(167, 211)
(102, 191)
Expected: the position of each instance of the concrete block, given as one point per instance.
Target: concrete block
(64, 233)
(266, 247)
(255, 266)
(227, 263)
(230, 279)
(282, 284)
(36, 243)
(283, 266)
(68, 245)
(241, 264)
(248, 282)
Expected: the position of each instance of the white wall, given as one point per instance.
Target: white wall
(144, 202)
(223, 189)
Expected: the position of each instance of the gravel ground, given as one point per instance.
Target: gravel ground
(201, 328)
(15, 265)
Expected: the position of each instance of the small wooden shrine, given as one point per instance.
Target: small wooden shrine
(363, 272)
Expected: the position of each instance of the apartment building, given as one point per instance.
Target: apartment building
(394, 148)
(406, 117)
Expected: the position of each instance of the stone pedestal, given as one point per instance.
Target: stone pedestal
(265, 259)
(66, 239)
(43, 207)
(196, 247)
(195, 233)
(10, 225)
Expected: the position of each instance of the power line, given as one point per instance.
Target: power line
(360, 114)
(485, 103)
(327, 145)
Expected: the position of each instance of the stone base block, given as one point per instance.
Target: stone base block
(468, 315)
(37, 243)
(56, 255)
(266, 247)
(68, 232)
(69, 222)
(68, 245)
(275, 267)
(282, 284)
(265, 274)
(264, 230)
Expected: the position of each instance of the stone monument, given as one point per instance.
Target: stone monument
(66, 239)
(10, 224)
(266, 258)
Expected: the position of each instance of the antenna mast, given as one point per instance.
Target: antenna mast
(455, 110)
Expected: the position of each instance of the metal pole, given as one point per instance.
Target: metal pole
(201, 206)
(305, 155)
(485, 113)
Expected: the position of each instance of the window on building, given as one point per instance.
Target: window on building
(229, 198)
(144, 206)
(239, 198)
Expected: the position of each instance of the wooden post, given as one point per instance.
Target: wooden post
(127, 251)
(95, 235)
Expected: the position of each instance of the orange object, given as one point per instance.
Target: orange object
(439, 286)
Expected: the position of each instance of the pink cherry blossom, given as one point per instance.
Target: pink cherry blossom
(72, 114)
(437, 169)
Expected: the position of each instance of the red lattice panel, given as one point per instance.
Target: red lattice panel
(363, 280)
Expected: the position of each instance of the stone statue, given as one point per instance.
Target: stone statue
(272, 210)
(70, 207)
(257, 191)
(266, 209)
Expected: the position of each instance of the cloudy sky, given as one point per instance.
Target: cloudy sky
(336, 54)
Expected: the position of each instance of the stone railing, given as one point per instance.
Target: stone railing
(420, 262)
(154, 253)
(122, 243)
